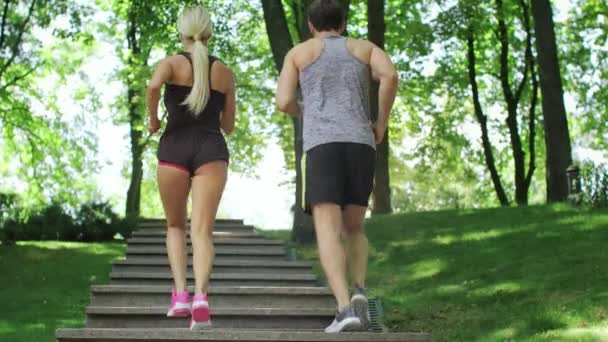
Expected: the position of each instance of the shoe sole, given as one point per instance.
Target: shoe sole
(179, 310)
(200, 318)
(178, 313)
(348, 324)
(361, 308)
(200, 325)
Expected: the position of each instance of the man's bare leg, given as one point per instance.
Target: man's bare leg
(328, 225)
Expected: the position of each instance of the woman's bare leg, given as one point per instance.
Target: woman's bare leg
(174, 186)
(207, 187)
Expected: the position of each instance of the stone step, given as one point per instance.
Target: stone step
(219, 250)
(217, 221)
(163, 224)
(220, 335)
(223, 318)
(222, 241)
(218, 228)
(217, 279)
(219, 266)
(218, 257)
(219, 296)
(158, 233)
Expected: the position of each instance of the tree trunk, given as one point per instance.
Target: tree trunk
(135, 119)
(281, 43)
(512, 100)
(302, 19)
(278, 31)
(303, 230)
(11, 41)
(382, 192)
(557, 136)
(534, 100)
(134, 192)
(483, 121)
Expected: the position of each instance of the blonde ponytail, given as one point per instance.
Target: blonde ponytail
(195, 24)
(199, 96)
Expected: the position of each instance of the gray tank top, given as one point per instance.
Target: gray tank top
(335, 89)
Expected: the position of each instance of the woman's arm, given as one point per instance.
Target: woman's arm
(228, 114)
(161, 75)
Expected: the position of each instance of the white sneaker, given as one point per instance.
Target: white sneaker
(360, 304)
(345, 321)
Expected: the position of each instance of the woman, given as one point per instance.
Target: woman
(200, 100)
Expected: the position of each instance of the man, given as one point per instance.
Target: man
(334, 75)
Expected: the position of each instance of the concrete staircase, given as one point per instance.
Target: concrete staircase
(257, 294)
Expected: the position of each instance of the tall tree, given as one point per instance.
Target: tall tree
(146, 26)
(514, 97)
(433, 162)
(136, 60)
(483, 119)
(281, 42)
(303, 228)
(557, 135)
(376, 29)
(498, 42)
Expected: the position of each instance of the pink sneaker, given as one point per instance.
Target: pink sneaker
(180, 304)
(201, 316)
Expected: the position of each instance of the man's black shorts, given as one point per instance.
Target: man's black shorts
(339, 173)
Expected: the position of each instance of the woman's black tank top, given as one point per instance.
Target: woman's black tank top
(180, 116)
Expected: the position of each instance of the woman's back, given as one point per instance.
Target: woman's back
(179, 86)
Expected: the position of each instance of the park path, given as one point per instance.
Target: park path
(258, 293)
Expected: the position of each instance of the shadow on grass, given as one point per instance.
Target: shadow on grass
(45, 285)
(509, 274)
(491, 274)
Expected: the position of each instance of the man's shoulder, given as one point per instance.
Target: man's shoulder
(361, 49)
(304, 53)
(306, 45)
(362, 43)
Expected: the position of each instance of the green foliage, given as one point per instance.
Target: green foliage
(434, 116)
(95, 221)
(62, 273)
(594, 183)
(584, 37)
(245, 48)
(43, 41)
(98, 222)
(436, 159)
(9, 212)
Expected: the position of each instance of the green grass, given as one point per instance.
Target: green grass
(284, 235)
(513, 274)
(45, 285)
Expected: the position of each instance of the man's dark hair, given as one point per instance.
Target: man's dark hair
(326, 15)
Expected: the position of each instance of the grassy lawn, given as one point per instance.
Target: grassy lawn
(45, 285)
(514, 274)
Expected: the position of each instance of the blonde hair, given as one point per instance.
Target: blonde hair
(195, 24)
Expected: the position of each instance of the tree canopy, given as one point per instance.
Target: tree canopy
(468, 128)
